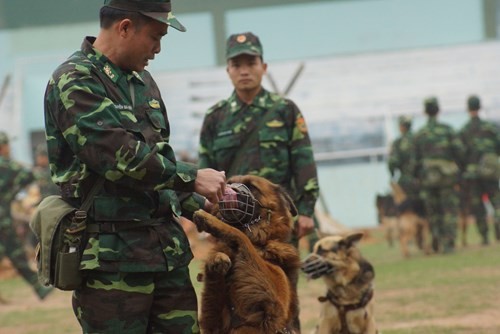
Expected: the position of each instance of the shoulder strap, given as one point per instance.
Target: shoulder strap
(93, 191)
(250, 139)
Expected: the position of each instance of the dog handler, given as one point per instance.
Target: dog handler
(105, 118)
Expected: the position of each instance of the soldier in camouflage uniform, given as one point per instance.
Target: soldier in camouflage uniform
(480, 138)
(105, 118)
(13, 178)
(437, 156)
(400, 157)
(258, 132)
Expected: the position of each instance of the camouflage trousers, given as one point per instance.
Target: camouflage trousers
(473, 192)
(11, 246)
(442, 206)
(136, 303)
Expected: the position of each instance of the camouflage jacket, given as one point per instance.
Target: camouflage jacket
(13, 178)
(281, 151)
(479, 137)
(400, 155)
(435, 140)
(103, 121)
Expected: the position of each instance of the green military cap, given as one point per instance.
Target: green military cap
(244, 43)
(4, 139)
(160, 10)
(405, 120)
(473, 102)
(431, 105)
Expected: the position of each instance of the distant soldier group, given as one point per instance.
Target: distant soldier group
(455, 174)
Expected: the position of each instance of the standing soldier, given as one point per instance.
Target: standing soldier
(400, 157)
(257, 132)
(437, 155)
(13, 178)
(482, 147)
(105, 120)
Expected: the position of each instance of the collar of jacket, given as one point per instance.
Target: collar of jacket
(113, 72)
(261, 101)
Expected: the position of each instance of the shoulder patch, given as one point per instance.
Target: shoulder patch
(301, 124)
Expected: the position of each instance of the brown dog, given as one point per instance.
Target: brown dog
(348, 305)
(250, 274)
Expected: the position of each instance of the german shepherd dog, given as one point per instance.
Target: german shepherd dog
(403, 218)
(348, 306)
(250, 274)
(412, 222)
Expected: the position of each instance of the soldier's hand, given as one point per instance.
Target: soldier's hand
(210, 183)
(305, 225)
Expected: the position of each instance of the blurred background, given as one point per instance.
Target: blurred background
(352, 66)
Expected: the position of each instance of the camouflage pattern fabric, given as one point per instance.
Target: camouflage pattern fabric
(13, 178)
(400, 159)
(168, 299)
(480, 137)
(101, 120)
(438, 141)
(282, 152)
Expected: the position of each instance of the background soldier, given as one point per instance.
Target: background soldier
(258, 132)
(13, 178)
(437, 155)
(481, 139)
(105, 119)
(400, 157)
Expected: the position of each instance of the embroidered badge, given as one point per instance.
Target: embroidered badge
(301, 125)
(154, 104)
(274, 124)
(109, 72)
(241, 39)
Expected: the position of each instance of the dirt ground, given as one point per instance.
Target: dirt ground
(484, 322)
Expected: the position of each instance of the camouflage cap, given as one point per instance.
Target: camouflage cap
(160, 10)
(4, 138)
(473, 102)
(244, 43)
(431, 105)
(405, 120)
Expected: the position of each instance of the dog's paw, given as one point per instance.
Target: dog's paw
(219, 264)
(200, 219)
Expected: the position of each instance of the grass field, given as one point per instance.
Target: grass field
(447, 294)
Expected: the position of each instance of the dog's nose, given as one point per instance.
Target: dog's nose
(315, 266)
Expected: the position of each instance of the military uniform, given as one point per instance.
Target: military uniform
(281, 152)
(104, 122)
(436, 145)
(267, 137)
(13, 178)
(480, 138)
(400, 159)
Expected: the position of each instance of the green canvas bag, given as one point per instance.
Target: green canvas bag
(489, 167)
(60, 229)
(58, 251)
(439, 173)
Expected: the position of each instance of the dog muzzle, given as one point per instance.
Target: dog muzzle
(315, 266)
(239, 206)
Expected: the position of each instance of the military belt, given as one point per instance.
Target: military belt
(109, 227)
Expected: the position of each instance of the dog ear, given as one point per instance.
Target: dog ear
(353, 238)
(288, 199)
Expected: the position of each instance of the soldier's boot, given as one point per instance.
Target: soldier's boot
(485, 241)
(42, 291)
